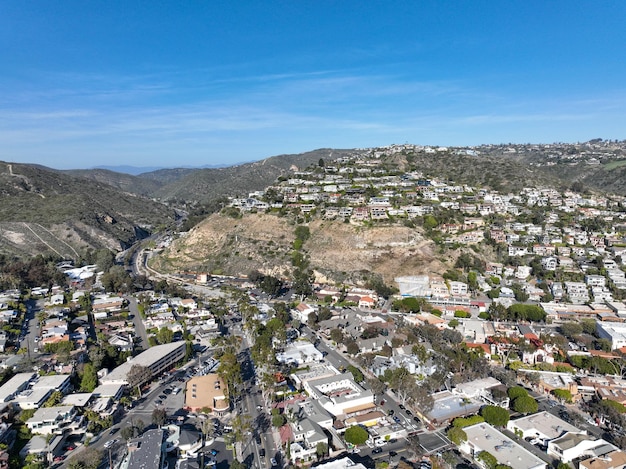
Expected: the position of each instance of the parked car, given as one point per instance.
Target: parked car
(273, 462)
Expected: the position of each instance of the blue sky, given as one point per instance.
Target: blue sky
(190, 83)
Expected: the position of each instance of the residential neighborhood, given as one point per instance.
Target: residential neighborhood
(514, 356)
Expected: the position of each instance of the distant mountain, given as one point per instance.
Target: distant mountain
(124, 182)
(45, 210)
(203, 185)
(137, 170)
(200, 185)
(132, 170)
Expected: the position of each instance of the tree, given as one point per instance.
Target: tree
(457, 435)
(90, 458)
(165, 335)
(562, 394)
(127, 432)
(138, 375)
(494, 415)
(159, 416)
(516, 391)
(352, 347)
(321, 450)
(488, 459)
(525, 405)
(55, 399)
(376, 385)
(356, 435)
(356, 373)
(571, 329)
(89, 380)
(336, 335)
(278, 420)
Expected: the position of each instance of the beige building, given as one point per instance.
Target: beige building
(209, 391)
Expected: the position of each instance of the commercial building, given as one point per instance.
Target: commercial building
(209, 391)
(613, 331)
(483, 437)
(340, 394)
(157, 359)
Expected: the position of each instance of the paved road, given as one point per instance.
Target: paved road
(251, 404)
(140, 329)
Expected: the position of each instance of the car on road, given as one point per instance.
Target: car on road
(110, 443)
(377, 450)
(113, 431)
(396, 419)
(213, 452)
(392, 454)
(262, 452)
(391, 412)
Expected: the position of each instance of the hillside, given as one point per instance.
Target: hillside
(202, 185)
(338, 251)
(122, 181)
(43, 210)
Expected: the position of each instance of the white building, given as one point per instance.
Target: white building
(55, 420)
(483, 437)
(613, 331)
(299, 353)
(576, 445)
(340, 395)
(158, 359)
(543, 426)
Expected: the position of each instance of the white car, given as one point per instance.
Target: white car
(110, 443)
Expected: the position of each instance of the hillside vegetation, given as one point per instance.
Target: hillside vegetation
(337, 251)
(46, 211)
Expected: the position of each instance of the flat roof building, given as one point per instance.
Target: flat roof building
(13, 386)
(483, 437)
(146, 452)
(208, 391)
(543, 425)
(448, 406)
(158, 359)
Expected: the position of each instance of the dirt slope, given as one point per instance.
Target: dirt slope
(338, 251)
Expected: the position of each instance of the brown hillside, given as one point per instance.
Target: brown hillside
(338, 251)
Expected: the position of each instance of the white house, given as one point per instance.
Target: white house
(483, 437)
